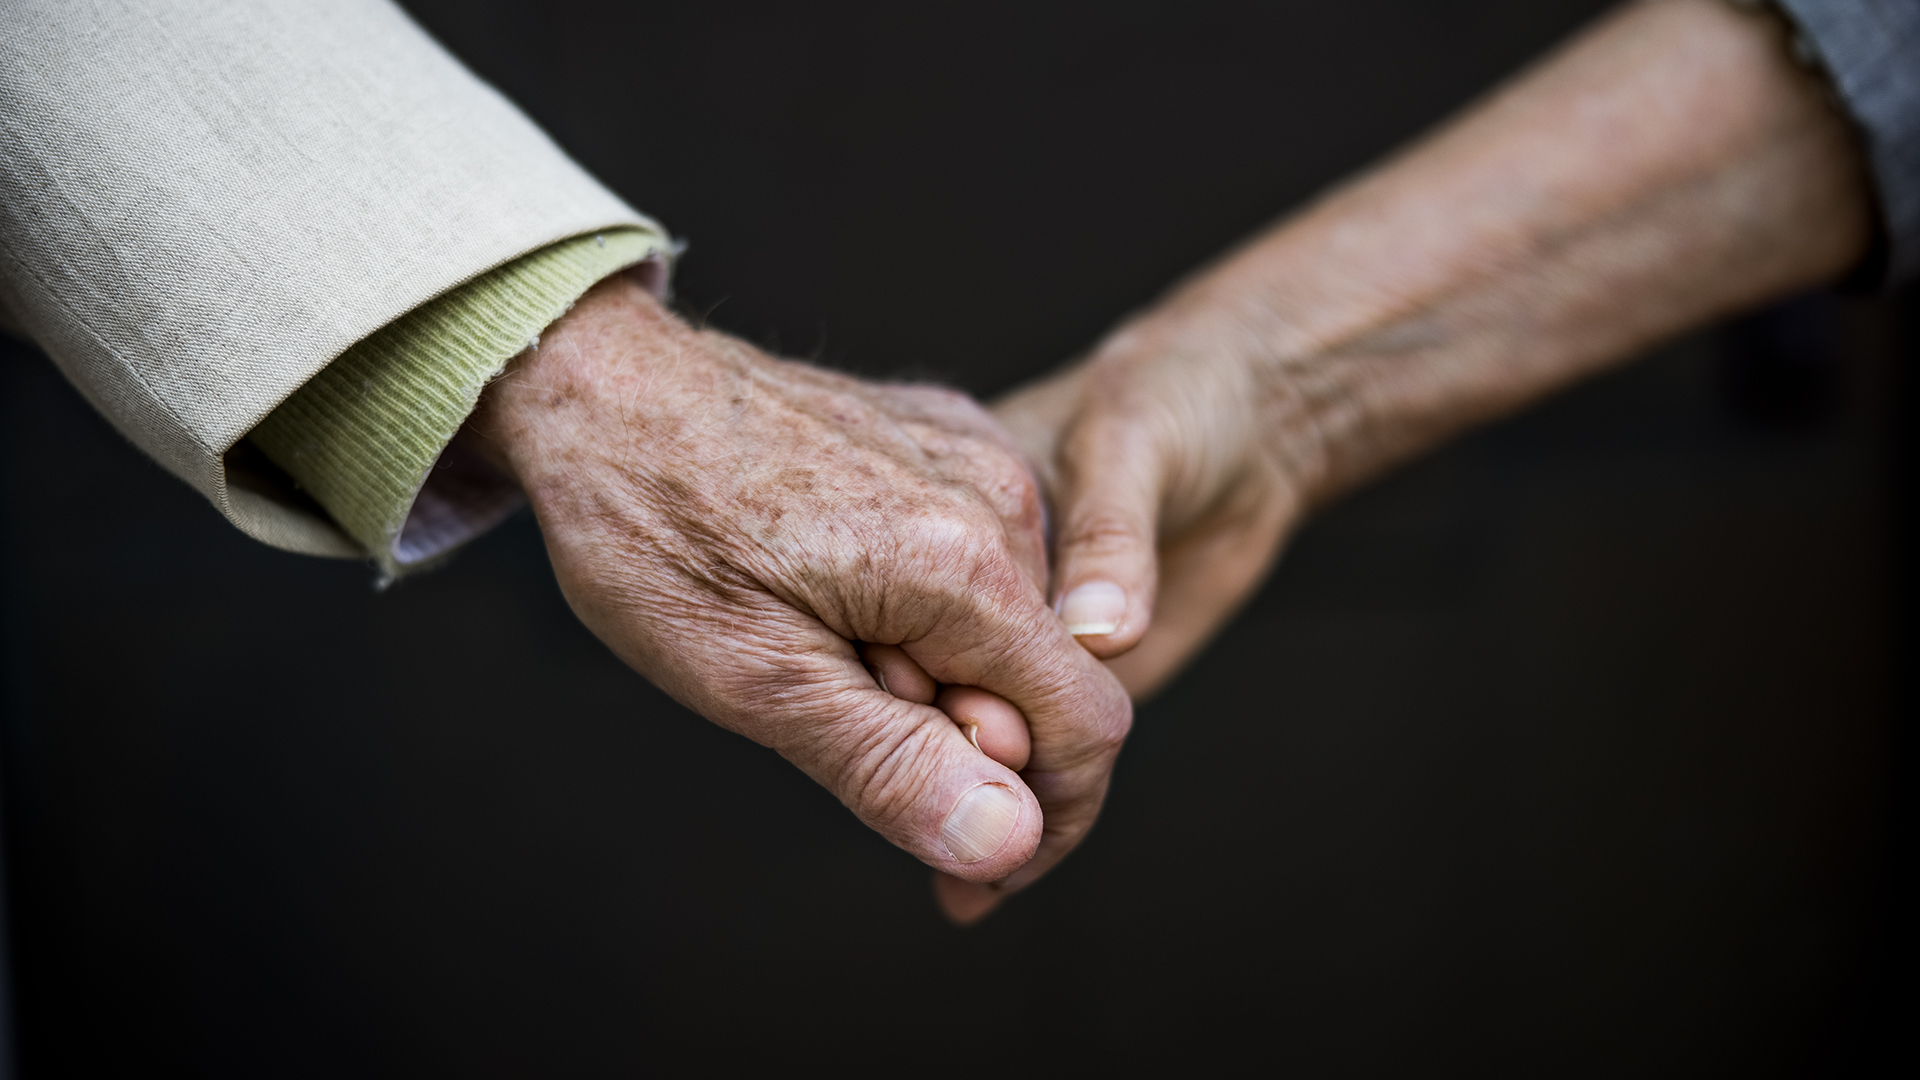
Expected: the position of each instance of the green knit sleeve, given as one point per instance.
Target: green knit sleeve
(363, 436)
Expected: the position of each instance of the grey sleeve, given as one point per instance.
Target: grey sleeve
(1871, 51)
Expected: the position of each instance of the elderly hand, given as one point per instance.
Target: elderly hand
(734, 525)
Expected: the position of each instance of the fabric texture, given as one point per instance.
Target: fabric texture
(204, 202)
(364, 435)
(1871, 51)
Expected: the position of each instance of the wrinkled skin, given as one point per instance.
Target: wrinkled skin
(732, 525)
(770, 543)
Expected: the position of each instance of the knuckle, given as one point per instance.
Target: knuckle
(964, 548)
(941, 406)
(925, 563)
(949, 530)
(1011, 489)
(946, 397)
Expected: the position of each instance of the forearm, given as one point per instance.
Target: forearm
(1670, 165)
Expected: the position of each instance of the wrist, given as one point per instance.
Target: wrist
(544, 419)
(1671, 166)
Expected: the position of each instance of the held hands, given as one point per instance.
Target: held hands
(1173, 468)
(731, 525)
(855, 574)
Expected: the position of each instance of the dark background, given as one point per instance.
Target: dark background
(1567, 751)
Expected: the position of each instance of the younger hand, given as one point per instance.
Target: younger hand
(1171, 488)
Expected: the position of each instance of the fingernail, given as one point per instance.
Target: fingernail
(980, 825)
(973, 735)
(1093, 609)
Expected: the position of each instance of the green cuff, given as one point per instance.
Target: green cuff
(363, 435)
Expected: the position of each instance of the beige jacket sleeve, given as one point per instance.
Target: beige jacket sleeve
(204, 202)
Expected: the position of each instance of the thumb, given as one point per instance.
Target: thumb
(932, 792)
(1106, 567)
(911, 774)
